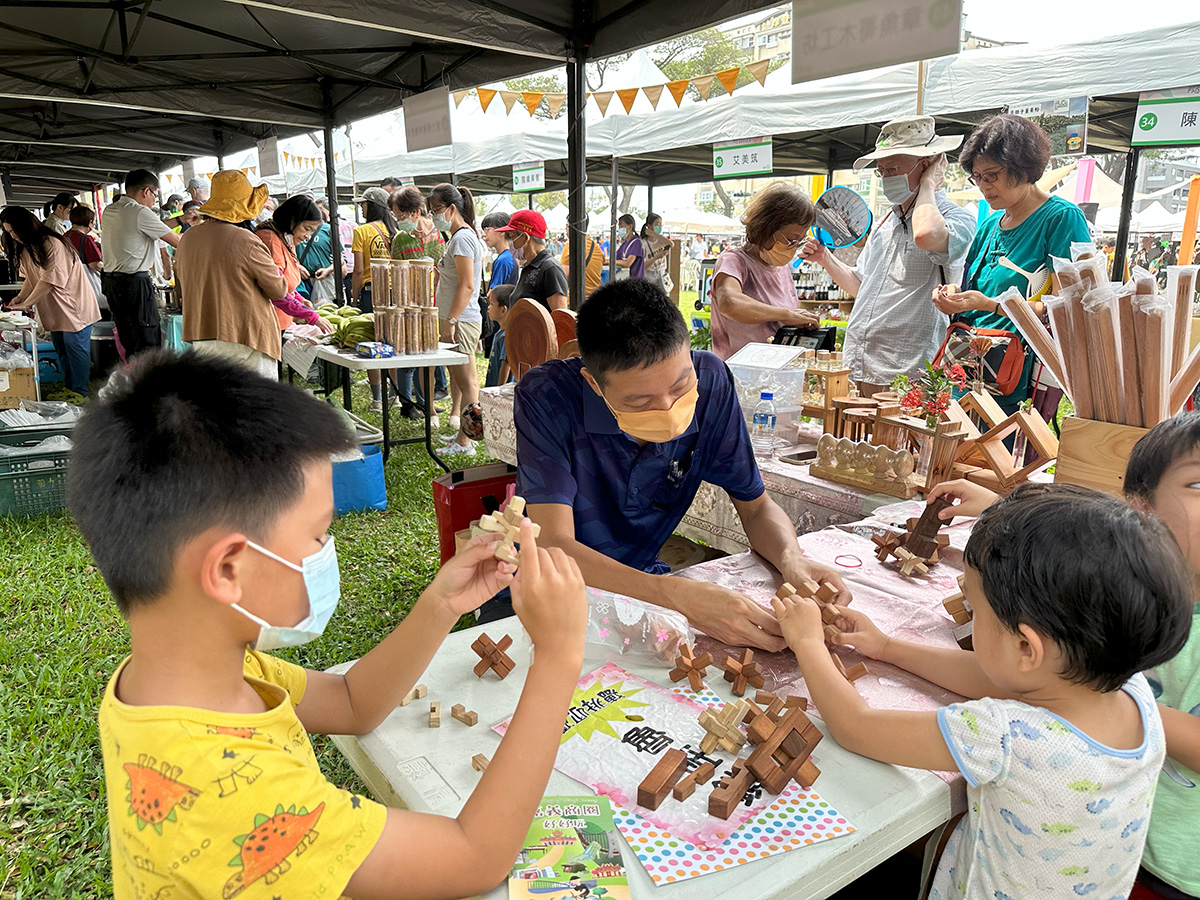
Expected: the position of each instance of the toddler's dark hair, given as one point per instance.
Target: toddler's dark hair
(1103, 581)
(1157, 450)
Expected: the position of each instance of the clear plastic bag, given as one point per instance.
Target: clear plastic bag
(620, 626)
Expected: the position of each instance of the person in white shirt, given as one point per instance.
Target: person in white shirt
(59, 220)
(698, 249)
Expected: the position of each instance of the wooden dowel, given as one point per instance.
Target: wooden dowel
(1077, 350)
(1181, 286)
(1185, 381)
(1127, 347)
(1152, 327)
(1017, 308)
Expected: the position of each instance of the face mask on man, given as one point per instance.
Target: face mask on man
(322, 581)
(657, 426)
(896, 189)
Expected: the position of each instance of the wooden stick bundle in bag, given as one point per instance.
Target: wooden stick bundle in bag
(1099, 319)
(1127, 346)
(1017, 308)
(1073, 343)
(1152, 323)
(1185, 381)
(1181, 287)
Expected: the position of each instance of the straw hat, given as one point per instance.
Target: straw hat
(232, 199)
(910, 136)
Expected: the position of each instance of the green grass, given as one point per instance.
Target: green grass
(63, 637)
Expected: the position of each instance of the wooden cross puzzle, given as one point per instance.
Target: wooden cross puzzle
(492, 656)
(784, 754)
(956, 604)
(722, 729)
(823, 593)
(508, 523)
(742, 671)
(691, 667)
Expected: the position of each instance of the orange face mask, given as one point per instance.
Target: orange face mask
(657, 426)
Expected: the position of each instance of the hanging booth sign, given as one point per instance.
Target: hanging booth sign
(268, 157)
(529, 176)
(1168, 118)
(427, 120)
(1064, 120)
(742, 159)
(189, 170)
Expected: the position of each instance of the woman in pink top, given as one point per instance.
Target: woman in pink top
(56, 285)
(290, 225)
(753, 293)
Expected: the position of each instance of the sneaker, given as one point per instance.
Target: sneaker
(410, 411)
(454, 448)
(440, 394)
(376, 406)
(455, 422)
(395, 402)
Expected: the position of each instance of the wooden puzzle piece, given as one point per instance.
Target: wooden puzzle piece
(964, 635)
(691, 667)
(508, 523)
(778, 759)
(464, 715)
(923, 536)
(730, 790)
(852, 674)
(435, 714)
(743, 671)
(655, 786)
(887, 544)
(688, 784)
(492, 656)
(479, 762)
(721, 727)
(417, 693)
(910, 563)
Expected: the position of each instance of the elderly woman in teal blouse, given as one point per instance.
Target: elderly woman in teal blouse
(1005, 156)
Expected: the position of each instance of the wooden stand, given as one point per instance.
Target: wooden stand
(1094, 454)
(835, 383)
(999, 459)
(940, 442)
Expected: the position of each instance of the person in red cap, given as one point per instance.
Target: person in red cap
(542, 277)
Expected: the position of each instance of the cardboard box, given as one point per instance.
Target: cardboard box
(16, 385)
(1094, 454)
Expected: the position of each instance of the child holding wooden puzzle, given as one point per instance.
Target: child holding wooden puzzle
(1074, 594)
(205, 494)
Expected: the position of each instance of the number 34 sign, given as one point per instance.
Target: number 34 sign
(1168, 118)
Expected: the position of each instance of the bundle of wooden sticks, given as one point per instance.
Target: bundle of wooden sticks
(1119, 351)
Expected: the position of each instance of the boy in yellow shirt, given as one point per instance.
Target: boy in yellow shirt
(205, 493)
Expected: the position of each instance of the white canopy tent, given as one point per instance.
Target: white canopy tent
(692, 221)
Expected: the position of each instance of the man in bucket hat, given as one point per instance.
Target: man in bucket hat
(918, 244)
(542, 277)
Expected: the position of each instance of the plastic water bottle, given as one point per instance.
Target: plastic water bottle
(762, 429)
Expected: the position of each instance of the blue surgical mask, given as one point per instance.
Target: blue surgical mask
(440, 222)
(322, 581)
(406, 225)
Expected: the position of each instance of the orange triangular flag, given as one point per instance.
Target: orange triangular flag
(532, 99)
(486, 96)
(653, 93)
(554, 103)
(602, 100)
(759, 70)
(728, 78)
(627, 97)
(458, 97)
(703, 84)
(509, 98)
(678, 89)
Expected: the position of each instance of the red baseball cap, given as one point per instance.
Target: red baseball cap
(527, 222)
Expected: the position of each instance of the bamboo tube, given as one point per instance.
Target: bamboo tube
(1185, 381)
(1076, 349)
(1017, 308)
(1181, 286)
(1152, 328)
(1105, 364)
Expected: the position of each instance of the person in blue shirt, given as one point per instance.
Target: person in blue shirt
(613, 445)
(504, 267)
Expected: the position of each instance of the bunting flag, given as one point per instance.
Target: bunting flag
(627, 97)
(703, 84)
(603, 98)
(728, 78)
(486, 96)
(678, 89)
(458, 98)
(532, 99)
(554, 103)
(509, 99)
(759, 71)
(653, 93)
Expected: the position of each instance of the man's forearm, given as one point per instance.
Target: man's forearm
(843, 276)
(929, 225)
(772, 535)
(605, 573)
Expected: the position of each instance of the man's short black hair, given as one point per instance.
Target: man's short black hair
(503, 294)
(495, 220)
(1011, 141)
(140, 179)
(628, 325)
(180, 444)
(1157, 450)
(1103, 581)
(391, 181)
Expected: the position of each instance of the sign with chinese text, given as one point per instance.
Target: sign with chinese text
(1168, 118)
(427, 120)
(1064, 120)
(268, 157)
(742, 159)
(529, 176)
(837, 38)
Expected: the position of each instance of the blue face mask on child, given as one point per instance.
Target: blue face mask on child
(322, 581)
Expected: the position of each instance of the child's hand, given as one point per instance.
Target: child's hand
(799, 620)
(859, 632)
(549, 596)
(972, 498)
(471, 576)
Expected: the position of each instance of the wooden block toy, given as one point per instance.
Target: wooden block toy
(655, 786)
(910, 563)
(479, 762)
(785, 590)
(852, 674)
(722, 729)
(691, 667)
(508, 523)
(887, 544)
(777, 760)
(435, 714)
(492, 656)
(742, 671)
(793, 702)
(464, 715)
(764, 697)
(825, 593)
(730, 790)
(964, 635)
(828, 614)
(417, 693)
(807, 774)
(923, 536)
(956, 604)
(688, 784)
(831, 632)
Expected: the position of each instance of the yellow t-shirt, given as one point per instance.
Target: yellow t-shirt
(372, 241)
(204, 804)
(595, 266)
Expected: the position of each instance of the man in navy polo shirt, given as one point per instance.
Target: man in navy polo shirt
(611, 450)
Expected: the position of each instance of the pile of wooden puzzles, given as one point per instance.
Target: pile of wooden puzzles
(507, 522)
(783, 738)
(823, 595)
(956, 604)
(458, 711)
(921, 546)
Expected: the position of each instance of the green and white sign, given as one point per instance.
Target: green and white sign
(742, 159)
(1168, 118)
(529, 176)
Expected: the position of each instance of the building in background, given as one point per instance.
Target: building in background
(1156, 176)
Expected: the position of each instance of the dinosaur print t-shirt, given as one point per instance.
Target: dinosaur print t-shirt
(208, 804)
(1050, 811)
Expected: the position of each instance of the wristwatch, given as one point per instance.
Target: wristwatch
(452, 321)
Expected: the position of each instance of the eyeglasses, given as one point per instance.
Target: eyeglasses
(790, 244)
(985, 177)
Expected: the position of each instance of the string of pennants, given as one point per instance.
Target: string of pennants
(554, 101)
(207, 176)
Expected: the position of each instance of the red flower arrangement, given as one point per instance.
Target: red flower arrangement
(931, 397)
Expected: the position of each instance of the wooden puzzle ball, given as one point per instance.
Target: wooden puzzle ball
(845, 453)
(903, 464)
(826, 450)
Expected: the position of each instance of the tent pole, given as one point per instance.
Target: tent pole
(612, 238)
(335, 241)
(577, 167)
(649, 196)
(1131, 169)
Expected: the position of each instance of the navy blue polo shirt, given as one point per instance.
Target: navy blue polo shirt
(627, 499)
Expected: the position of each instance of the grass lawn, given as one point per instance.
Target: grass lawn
(63, 637)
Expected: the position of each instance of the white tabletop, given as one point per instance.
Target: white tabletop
(408, 764)
(443, 356)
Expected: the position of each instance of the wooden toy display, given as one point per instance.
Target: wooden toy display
(823, 384)
(691, 667)
(492, 656)
(864, 465)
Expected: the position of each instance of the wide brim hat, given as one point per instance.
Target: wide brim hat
(233, 199)
(910, 136)
(527, 221)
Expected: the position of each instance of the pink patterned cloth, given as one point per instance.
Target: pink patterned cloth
(293, 304)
